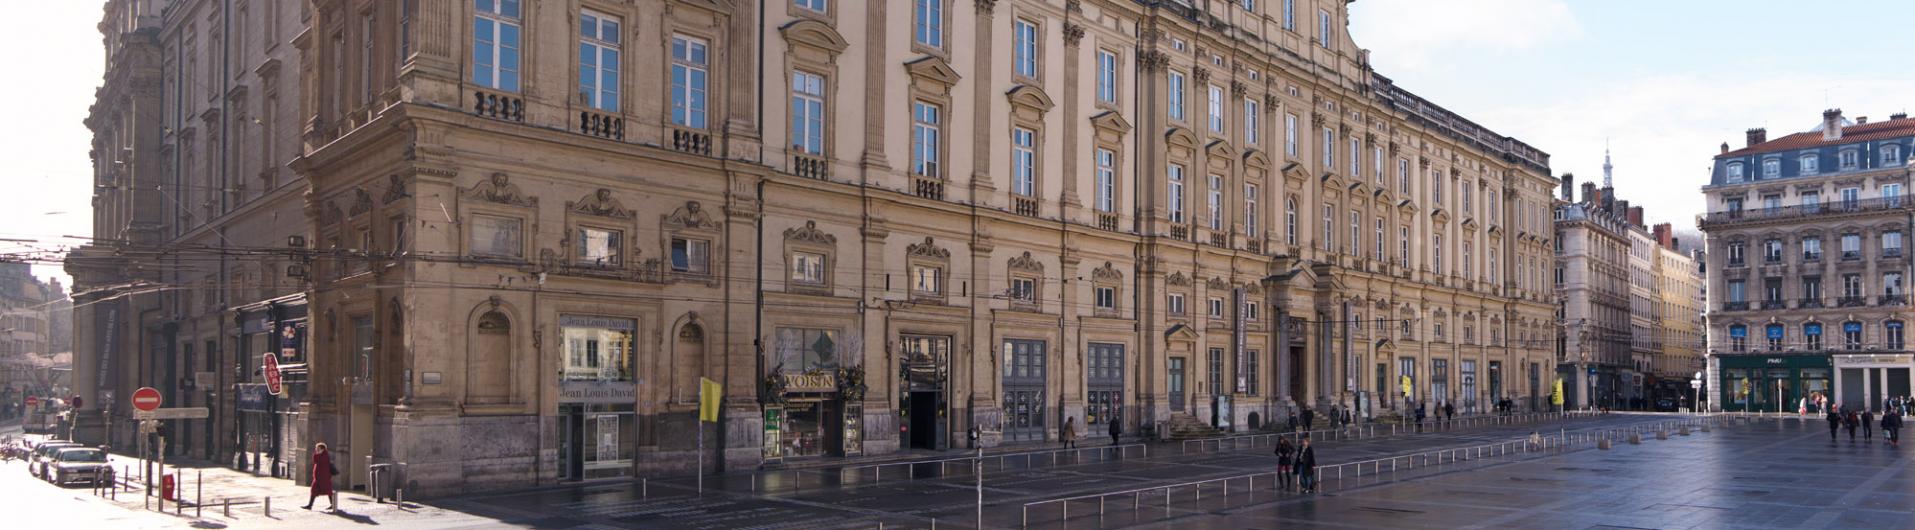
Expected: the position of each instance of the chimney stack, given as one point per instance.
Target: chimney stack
(1569, 187)
(1665, 235)
(1898, 116)
(1831, 125)
(1635, 215)
(1622, 208)
(1756, 136)
(1861, 120)
(1725, 148)
(1609, 199)
(1589, 193)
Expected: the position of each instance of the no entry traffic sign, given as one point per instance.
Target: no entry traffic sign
(33, 401)
(146, 398)
(269, 364)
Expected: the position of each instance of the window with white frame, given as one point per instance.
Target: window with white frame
(691, 255)
(1176, 194)
(1376, 156)
(1175, 304)
(1216, 202)
(1892, 156)
(1250, 225)
(1290, 221)
(1024, 289)
(807, 112)
(1809, 164)
(1106, 76)
(1216, 307)
(1024, 48)
(1216, 109)
(927, 22)
(808, 268)
(1106, 185)
(690, 70)
(1329, 228)
(1436, 253)
(927, 280)
(1378, 239)
(1251, 310)
(1403, 247)
(1356, 230)
(1023, 161)
(1329, 149)
(598, 52)
(1176, 96)
(1403, 176)
(1290, 134)
(1735, 172)
(1290, 15)
(926, 128)
(1251, 125)
(814, 5)
(600, 247)
(1356, 158)
(1106, 297)
(1323, 26)
(495, 44)
(1772, 167)
(1848, 158)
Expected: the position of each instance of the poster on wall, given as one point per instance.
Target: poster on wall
(607, 437)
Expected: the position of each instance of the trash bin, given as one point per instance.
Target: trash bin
(382, 481)
(166, 487)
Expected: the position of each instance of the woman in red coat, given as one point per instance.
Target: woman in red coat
(322, 472)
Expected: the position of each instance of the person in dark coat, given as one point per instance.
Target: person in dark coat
(1835, 421)
(1286, 454)
(322, 472)
(1307, 466)
(1892, 427)
(1309, 417)
(1867, 420)
(1419, 417)
(1293, 421)
(1848, 422)
(1116, 428)
(1449, 411)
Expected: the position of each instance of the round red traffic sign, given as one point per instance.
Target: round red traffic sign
(33, 401)
(146, 398)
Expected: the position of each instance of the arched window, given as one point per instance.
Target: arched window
(489, 359)
(1290, 220)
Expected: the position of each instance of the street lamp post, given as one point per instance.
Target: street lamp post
(1697, 385)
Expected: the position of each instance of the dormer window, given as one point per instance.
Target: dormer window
(1849, 159)
(1771, 168)
(1892, 156)
(1809, 164)
(1735, 172)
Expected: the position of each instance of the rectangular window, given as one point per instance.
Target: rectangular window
(597, 348)
(1376, 160)
(806, 350)
(1436, 186)
(1892, 243)
(1024, 290)
(1216, 109)
(1290, 134)
(1024, 48)
(1772, 167)
(1356, 158)
(808, 268)
(1176, 102)
(495, 44)
(1848, 159)
(1403, 247)
(927, 280)
(1851, 197)
(1378, 240)
(498, 237)
(1106, 298)
(1176, 194)
(1106, 199)
(691, 255)
(1290, 15)
(1893, 332)
(1216, 202)
(689, 71)
(1329, 231)
(1852, 335)
(1216, 371)
(1253, 357)
(807, 112)
(1290, 221)
(1812, 288)
(1175, 304)
(1891, 283)
(1403, 176)
(1356, 231)
(367, 28)
(1216, 307)
(1809, 164)
(1772, 251)
(598, 61)
(1329, 149)
(1892, 195)
(1250, 225)
(1106, 76)
(1436, 250)
(1851, 246)
(926, 124)
(1323, 26)
(927, 21)
(1024, 161)
(600, 247)
(1250, 123)
(1811, 248)
(814, 5)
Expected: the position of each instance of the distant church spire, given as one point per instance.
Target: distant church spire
(1607, 168)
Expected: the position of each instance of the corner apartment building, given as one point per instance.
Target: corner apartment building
(534, 227)
(1677, 353)
(194, 206)
(1808, 266)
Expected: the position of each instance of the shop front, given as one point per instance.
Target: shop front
(923, 372)
(1772, 383)
(597, 397)
(812, 407)
(1868, 379)
(267, 436)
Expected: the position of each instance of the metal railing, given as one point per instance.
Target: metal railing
(1804, 210)
(1374, 430)
(1562, 442)
(1049, 456)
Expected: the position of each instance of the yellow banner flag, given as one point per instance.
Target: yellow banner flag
(1556, 397)
(709, 392)
(1408, 388)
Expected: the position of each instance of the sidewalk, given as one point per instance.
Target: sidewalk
(234, 496)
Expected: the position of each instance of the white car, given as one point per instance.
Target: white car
(37, 462)
(76, 464)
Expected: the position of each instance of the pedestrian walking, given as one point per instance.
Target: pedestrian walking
(1892, 428)
(1336, 416)
(1449, 410)
(1309, 417)
(1307, 466)
(1848, 422)
(1116, 428)
(322, 473)
(1867, 420)
(1293, 421)
(1419, 417)
(1347, 419)
(1070, 432)
(1286, 455)
(1835, 422)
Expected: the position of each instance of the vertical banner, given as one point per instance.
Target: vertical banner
(709, 393)
(1239, 339)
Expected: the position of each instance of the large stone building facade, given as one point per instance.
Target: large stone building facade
(534, 227)
(1808, 266)
(194, 207)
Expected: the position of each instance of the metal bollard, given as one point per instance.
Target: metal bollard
(269, 507)
(199, 491)
(226, 508)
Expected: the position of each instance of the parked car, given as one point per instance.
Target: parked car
(37, 464)
(76, 464)
(1666, 404)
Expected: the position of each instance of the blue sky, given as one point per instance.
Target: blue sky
(1665, 82)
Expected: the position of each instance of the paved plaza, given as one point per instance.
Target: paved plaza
(1743, 473)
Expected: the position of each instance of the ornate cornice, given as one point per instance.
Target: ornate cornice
(500, 189)
(809, 233)
(600, 203)
(927, 249)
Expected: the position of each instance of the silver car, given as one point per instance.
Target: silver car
(77, 464)
(37, 462)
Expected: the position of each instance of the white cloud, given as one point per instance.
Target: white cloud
(1665, 129)
(1407, 33)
